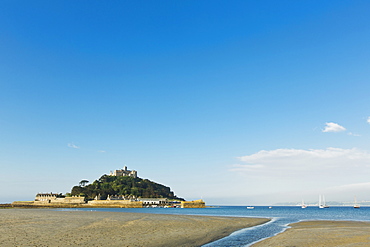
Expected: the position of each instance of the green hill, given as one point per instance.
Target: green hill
(124, 186)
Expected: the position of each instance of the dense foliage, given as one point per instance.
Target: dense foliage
(124, 186)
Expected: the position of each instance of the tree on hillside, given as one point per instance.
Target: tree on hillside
(83, 183)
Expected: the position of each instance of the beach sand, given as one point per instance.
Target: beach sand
(45, 227)
(322, 233)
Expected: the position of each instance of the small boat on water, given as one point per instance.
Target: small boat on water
(356, 205)
(303, 205)
(250, 207)
(322, 203)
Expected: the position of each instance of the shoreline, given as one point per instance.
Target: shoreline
(328, 233)
(25, 227)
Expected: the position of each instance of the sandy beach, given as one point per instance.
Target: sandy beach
(45, 227)
(322, 233)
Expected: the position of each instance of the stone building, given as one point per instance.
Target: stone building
(55, 198)
(124, 172)
(154, 202)
(48, 197)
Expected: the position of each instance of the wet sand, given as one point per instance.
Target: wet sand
(44, 227)
(322, 233)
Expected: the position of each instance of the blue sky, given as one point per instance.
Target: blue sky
(235, 102)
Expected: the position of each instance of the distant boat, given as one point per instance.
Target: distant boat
(356, 205)
(250, 207)
(325, 205)
(270, 207)
(322, 203)
(303, 205)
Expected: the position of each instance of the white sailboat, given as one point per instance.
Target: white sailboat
(325, 206)
(356, 205)
(322, 203)
(303, 205)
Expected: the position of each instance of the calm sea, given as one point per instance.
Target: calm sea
(280, 218)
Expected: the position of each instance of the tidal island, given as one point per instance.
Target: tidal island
(37, 223)
(120, 189)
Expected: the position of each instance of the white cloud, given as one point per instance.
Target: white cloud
(349, 191)
(283, 170)
(368, 120)
(333, 127)
(102, 151)
(353, 134)
(351, 187)
(71, 145)
(294, 155)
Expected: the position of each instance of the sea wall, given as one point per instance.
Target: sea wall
(73, 202)
(63, 200)
(193, 204)
(35, 204)
(79, 202)
(115, 204)
(23, 203)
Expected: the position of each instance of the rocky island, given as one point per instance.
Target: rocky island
(121, 188)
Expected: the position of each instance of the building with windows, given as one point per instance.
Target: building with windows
(124, 172)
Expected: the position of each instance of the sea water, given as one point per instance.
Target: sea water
(280, 218)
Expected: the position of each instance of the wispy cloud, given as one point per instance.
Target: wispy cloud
(333, 127)
(71, 145)
(368, 120)
(357, 186)
(353, 134)
(283, 169)
(102, 151)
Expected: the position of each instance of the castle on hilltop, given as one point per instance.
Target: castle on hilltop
(116, 192)
(124, 172)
